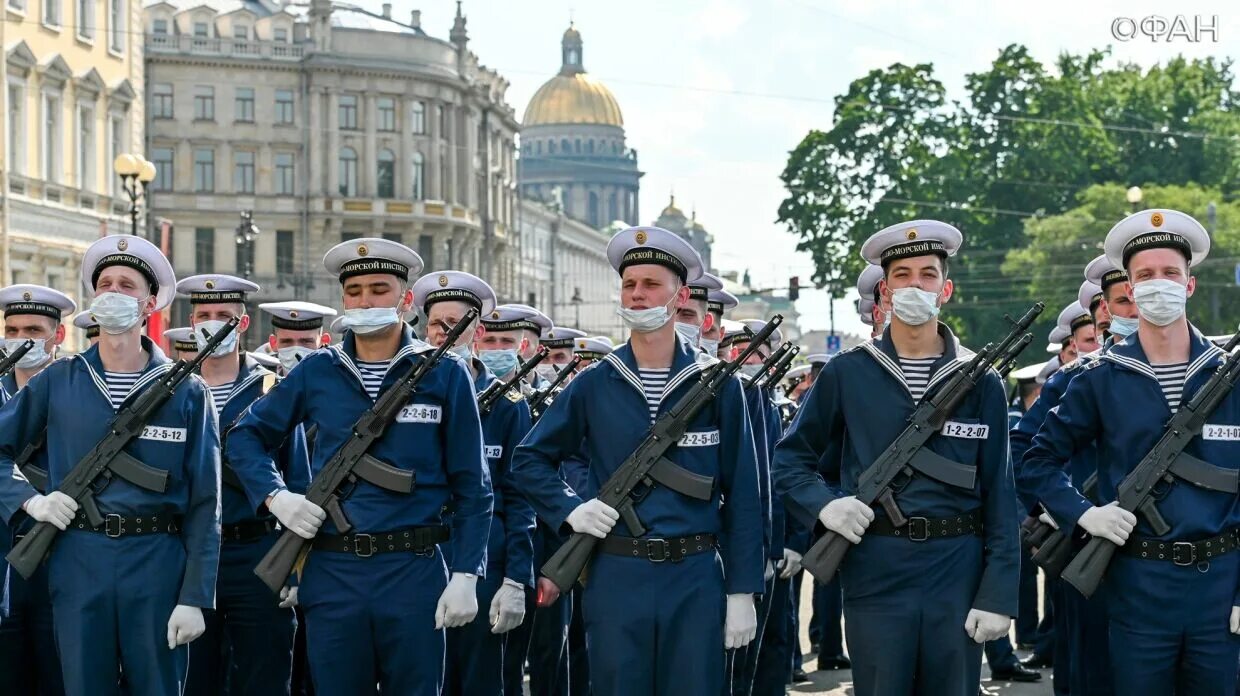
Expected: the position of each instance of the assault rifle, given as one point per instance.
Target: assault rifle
(491, 394)
(544, 397)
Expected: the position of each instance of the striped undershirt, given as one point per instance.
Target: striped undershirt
(917, 374)
(372, 375)
(653, 381)
(219, 394)
(1171, 381)
(119, 384)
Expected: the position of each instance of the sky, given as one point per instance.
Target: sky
(715, 93)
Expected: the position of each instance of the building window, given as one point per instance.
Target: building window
(241, 32)
(350, 236)
(244, 105)
(204, 103)
(51, 138)
(426, 249)
(385, 176)
(280, 34)
(565, 146)
(443, 121)
(284, 173)
(51, 12)
(204, 170)
(162, 159)
(204, 249)
(284, 252)
(387, 114)
(16, 132)
(592, 214)
(116, 21)
(160, 27)
(348, 172)
(417, 118)
(86, 19)
(86, 148)
(284, 106)
(395, 237)
(418, 176)
(243, 171)
(161, 100)
(348, 111)
(201, 30)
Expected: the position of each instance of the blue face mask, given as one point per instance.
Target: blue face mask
(499, 362)
(1123, 326)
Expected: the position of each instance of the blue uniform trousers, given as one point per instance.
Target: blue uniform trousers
(1027, 621)
(29, 663)
(741, 664)
(248, 645)
(774, 659)
(655, 628)
(303, 685)
(1063, 646)
(112, 599)
(1091, 659)
(372, 621)
(474, 663)
(1169, 626)
(578, 656)
(825, 628)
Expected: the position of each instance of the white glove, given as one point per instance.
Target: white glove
(296, 513)
(792, 564)
(1045, 518)
(1235, 620)
(847, 517)
(769, 572)
(184, 625)
(741, 624)
(507, 607)
(288, 597)
(593, 517)
(458, 605)
(55, 508)
(983, 626)
(1110, 522)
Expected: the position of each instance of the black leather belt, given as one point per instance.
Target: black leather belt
(1183, 553)
(658, 550)
(116, 526)
(924, 528)
(419, 540)
(247, 530)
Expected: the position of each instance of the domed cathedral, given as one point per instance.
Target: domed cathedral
(689, 229)
(572, 145)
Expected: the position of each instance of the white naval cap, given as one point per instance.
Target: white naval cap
(36, 299)
(867, 281)
(266, 359)
(1104, 274)
(702, 288)
(136, 253)
(913, 238)
(1029, 373)
(1073, 317)
(561, 337)
(182, 339)
(542, 320)
(296, 315)
(593, 347)
(797, 372)
(214, 288)
(1157, 229)
(654, 245)
(86, 322)
(720, 301)
(1056, 338)
(1089, 295)
(818, 358)
(865, 309)
(744, 330)
(455, 286)
(372, 255)
(512, 317)
(1051, 367)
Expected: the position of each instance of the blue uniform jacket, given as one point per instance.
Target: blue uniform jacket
(70, 399)
(860, 399)
(1086, 415)
(294, 456)
(438, 436)
(503, 428)
(605, 407)
(758, 415)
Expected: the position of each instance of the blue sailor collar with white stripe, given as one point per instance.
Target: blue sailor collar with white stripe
(8, 387)
(345, 352)
(485, 376)
(249, 372)
(883, 350)
(1202, 354)
(156, 366)
(685, 365)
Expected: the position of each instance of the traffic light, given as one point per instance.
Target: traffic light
(794, 288)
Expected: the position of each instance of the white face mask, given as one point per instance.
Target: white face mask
(1160, 301)
(464, 350)
(291, 356)
(689, 332)
(547, 372)
(914, 306)
(751, 371)
(366, 321)
(36, 356)
(1123, 326)
(116, 312)
(645, 320)
(710, 346)
(212, 327)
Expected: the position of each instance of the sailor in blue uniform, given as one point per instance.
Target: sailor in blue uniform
(658, 609)
(558, 340)
(248, 645)
(181, 342)
(376, 600)
(965, 558)
(88, 326)
(536, 324)
(718, 303)
(29, 663)
(1171, 598)
(128, 595)
(475, 652)
(296, 330)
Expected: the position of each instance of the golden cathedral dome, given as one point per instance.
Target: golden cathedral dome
(573, 97)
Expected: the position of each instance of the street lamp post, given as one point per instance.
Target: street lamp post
(247, 232)
(1134, 198)
(136, 173)
(577, 300)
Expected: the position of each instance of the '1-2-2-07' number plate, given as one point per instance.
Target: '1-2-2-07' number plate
(968, 431)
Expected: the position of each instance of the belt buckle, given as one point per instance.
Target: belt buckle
(357, 545)
(111, 522)
(1189, 555)
(661, 545)
(918, 529)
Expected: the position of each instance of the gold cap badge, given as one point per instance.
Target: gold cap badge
(640, 237)
(26, 296)
(362, 250)
(495, 315)
(210, 284)
(911, 234)
(1156, 219)
(122, 245)
(443, 281)
(292, 314)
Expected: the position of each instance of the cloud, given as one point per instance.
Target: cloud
(719, 19)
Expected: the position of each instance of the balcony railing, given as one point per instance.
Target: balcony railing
(212, 46)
